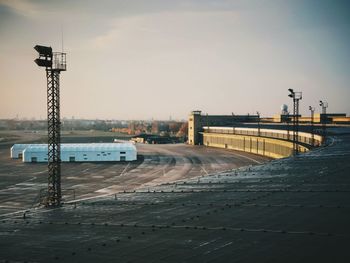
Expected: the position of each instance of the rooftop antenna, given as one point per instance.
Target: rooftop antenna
(62, 38)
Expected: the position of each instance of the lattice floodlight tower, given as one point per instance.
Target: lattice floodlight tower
(296, 96)
(324, 105)
(54, 63)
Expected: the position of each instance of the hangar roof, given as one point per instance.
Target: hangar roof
(84, 147)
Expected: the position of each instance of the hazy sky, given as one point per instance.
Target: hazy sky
(142, 59)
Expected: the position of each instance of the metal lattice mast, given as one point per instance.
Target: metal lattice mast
(324, 106)
(54, 137)
(294, 127)
(312, 110)
(54, 64)
(296, 97)
(296, 134)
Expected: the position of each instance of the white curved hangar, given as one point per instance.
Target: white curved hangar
(80, 152)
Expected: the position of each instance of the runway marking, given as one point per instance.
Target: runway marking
(41, 172)
(92, 197)
(11, 187)
(126, 167)
(248, 158)
(8, 206)
(204, 170)
(206, 243)
(217, 248)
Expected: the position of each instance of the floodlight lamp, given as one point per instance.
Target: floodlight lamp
(43, 50)
(290, 95)
(291, 91)
(43, 62)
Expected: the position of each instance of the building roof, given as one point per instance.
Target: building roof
(84, 147)
(23, 146)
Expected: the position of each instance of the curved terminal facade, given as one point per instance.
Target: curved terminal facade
(222, 132)
(275, 145)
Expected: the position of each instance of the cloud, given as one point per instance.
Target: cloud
(166, 29)
(22, 7)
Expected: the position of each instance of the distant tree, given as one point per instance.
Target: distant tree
(183, 131)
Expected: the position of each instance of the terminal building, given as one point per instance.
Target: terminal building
(232, 132)
(197, 121)
(82, 152)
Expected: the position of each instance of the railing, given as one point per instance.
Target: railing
(303, 137)
(266, 142)
(59, 61)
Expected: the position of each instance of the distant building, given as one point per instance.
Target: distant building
(155, 127)
(154, 139)
(82, 152)
(131, 127)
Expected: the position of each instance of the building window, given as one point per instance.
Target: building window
(84, 154)
(122, 152)
(122, 158)
(98, 154)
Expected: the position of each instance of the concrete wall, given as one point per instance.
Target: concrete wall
(303, 137)
(273, 148)
(196, 122)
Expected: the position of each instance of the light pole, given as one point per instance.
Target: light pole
(296, 96)
(312, 110)
(287, 120)
(233, 123)
(324, 106)
(258, 113)
(207, 122)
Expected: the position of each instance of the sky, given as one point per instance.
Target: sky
(158, 59)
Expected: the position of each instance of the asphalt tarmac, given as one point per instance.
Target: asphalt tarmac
(20, 183)
(295, 209)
